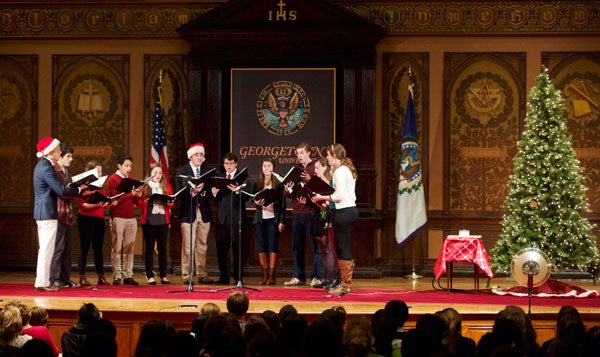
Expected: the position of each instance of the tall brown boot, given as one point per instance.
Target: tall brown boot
(263, 259)
(346, 269)
(272, 268)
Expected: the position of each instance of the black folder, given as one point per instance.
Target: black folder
(162, 199)
(84, 178)
(99, 197)
(293, 175)
(205, 178)
(270, 195)
(127, 184)
(222, 182)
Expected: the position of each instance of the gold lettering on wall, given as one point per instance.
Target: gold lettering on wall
(94, 151)
(482, 153)
(281, 14)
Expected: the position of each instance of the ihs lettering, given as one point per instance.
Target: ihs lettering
(281, 14)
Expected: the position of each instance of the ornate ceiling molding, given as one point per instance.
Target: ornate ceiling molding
(160, 19)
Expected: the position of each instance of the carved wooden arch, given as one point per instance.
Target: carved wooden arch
(239, 33)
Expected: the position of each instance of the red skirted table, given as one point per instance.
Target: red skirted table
(463, 249)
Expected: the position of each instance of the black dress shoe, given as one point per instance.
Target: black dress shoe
(130, 281)
(70, 284)
(47, 289)
(117, 281)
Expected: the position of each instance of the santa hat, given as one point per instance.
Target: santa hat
(46, 145)
(194, 149)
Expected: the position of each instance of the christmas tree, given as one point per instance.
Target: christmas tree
(546, 195)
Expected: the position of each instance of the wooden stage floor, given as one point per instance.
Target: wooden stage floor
(257, 306)
(129, 315)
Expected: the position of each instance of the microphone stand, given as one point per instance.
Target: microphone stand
(190, 286)
(239, 284)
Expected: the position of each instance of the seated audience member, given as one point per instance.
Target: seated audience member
(212, 332)
(38, 316)
(419, 343)
(237, 304)
(397, 310)
(36, 332)
(254, 325)
(261, 344)
(231, 342)
(197, 330)
(35, 348)
(10, 330)
(288, 342)
(99, 344)
(338, 321)
(592, 341)
(528, 333)
(210, 309)
(357, 337)
(154, 338)
(454, 343)
(272, 320)
(384, 333)
(72, 340)
(570, 334)
(320, 339)
(505, 332)
(182, 344)
(286, 311)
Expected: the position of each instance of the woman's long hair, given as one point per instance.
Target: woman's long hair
(339, 151)
(163, 181)
(260, 184)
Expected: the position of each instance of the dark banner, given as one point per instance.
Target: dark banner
(272, 110)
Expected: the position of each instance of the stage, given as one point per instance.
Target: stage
(130, 306)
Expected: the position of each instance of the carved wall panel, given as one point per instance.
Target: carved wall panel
(484, 102)
(90, 107)
(396, 67)
(577, 75)
(175, 93)
(18, 130)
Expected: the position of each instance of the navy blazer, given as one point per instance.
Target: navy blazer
(46, 187)
(185, 197)
(229, 205)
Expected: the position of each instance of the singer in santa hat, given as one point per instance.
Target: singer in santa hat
(46, 187)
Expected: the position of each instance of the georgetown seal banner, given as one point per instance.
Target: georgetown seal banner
(272, 110)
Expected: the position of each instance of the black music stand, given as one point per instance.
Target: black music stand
(239, 284)
(190, 287)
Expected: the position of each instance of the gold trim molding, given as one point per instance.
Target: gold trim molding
(160, 19)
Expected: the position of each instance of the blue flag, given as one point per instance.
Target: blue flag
(411, 213)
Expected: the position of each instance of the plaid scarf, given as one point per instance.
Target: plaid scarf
(65, 207)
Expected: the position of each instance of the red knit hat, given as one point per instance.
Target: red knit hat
(46, 145)
(195, 148)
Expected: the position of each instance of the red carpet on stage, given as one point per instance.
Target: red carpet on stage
(551, 288)
(292, 294)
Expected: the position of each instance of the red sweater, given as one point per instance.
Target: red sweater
(90, 211)
(126, 203)
(41, 333)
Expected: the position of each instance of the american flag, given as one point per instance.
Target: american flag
(158, 153)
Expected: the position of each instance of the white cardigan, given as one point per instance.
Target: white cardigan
(344, 184)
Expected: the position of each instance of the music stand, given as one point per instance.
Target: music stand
(190, 287)
(239, 284)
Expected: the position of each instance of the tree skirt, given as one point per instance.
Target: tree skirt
(551, 288)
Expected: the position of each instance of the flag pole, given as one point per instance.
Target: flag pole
(413, 275)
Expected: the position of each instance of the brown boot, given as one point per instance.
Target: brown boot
(272, 268)
(83, 281)
(263, 259)
(102, 280)
(346, 270)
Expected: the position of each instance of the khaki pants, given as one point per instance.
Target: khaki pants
(123, 231)
(199, 247)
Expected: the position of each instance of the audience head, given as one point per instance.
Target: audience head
(23, 309)
(518, 315)
(433, 325)
(88, 313)
(262, 344)
(287, 311)
(384, 332)
(210, 309)
(320, 339)
(254, 325)
(397, 310)
(154, 338)
(182, 344)
(272, 320)
(357, 337)
(100, 344)
(11, 324)
(419, 343)
(104, 326)
(592, 341)
(38, 316)
(238, 303)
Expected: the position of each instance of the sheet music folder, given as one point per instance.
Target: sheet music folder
(162, 199)
(204, 178)
(84, 177)
(99, 197)
(267, 194)
(312, 187)
(127, 184)
(222, 182)
(293, 175)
